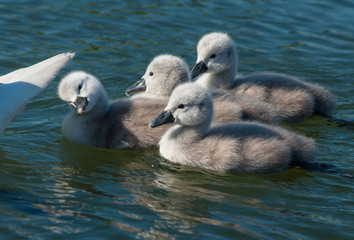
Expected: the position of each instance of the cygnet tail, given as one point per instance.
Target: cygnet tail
(303, 149)
(324, 100)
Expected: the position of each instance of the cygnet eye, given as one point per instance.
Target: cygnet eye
(181, 106)
(79, 87)
(151, 73)
(212, 55)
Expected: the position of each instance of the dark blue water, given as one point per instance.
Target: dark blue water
(51, 188)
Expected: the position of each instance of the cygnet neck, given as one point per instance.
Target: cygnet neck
(191, 133)
(216, 80)
(101, 107)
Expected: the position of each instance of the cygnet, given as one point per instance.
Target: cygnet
(18, 87)
(236, 147)
(295, 100)
(162, 75)
(97, 122)
(165, 72)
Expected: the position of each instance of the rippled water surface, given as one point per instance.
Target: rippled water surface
(51, 188)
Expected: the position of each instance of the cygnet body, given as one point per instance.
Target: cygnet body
(295, 100)
(97, 122)
(18, 87)
(236, 147)
(165, 72)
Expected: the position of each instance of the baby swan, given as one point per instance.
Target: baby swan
(294, 99)
(96, 122)
(162, 75)
(236, 147)
(165, 72)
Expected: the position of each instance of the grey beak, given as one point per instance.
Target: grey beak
(198, 69)
(81, 104)
(163, 118)
(139, 86)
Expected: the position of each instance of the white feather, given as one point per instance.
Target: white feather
(18, 87)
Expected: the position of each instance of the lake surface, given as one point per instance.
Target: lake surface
(51, 188)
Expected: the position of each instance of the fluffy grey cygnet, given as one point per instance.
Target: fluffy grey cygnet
(294, 99)
(165, 72)
(236, 147)
(97, 122)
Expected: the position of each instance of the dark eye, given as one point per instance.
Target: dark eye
(80, 86)
(212, 56)
(181, 106)
(151, 73)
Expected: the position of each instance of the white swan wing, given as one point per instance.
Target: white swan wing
(19, 86)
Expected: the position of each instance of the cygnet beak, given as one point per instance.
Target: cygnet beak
(81, 105)
(163, 118)
(139, 86)
(198, 69)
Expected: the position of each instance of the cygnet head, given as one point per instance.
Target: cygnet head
(82, 91)
(162, 75)
(189, 105)
(216, 53)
